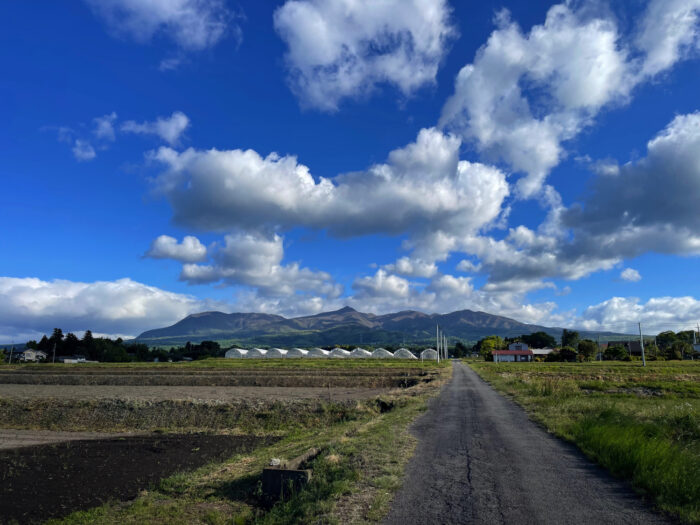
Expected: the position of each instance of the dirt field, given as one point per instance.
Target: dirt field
(82, 474)
(11, 438)
(204, 393)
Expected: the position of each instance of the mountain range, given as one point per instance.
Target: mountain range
(346, 326)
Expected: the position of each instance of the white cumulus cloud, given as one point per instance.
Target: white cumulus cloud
(344, 48)
(631, 275)
(191, 250)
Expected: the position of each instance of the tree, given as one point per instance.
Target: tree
(616, 353)
(488, 344)
(587, 348)
(539, 340)
(665, 339)
(461, 350)
(567, 353)
(44, 344)
(679, 349)
(71, 344)
(569, 338)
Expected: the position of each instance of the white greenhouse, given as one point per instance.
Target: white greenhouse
(318, 352)
(276, 353)
(381, 353)
(339, 353)
(297, 352)
(404, 353)
(236, 353)
(360, 353)
(429, 354)
(256, 353)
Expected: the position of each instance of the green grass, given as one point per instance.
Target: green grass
(354, 477)
(643, 424)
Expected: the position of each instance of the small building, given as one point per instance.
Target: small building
(339, 353)
(236, 353)
(31, 356)
(360, 353)
(505, 356)
(429, 354)
(381, 353)
(541, 352)
(404, 353)
(297, 352)
(318, 353)
(517, 346)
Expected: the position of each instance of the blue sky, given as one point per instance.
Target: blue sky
(161, 158)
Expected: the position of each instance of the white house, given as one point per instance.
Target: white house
(31, 355)
(517, 346)
(501, 356)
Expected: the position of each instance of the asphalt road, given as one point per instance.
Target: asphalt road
(481, 460)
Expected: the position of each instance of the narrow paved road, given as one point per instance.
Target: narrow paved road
(481, 460)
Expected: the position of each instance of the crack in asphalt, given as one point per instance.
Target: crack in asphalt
(480, 459)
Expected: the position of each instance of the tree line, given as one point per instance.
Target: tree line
(108, 350)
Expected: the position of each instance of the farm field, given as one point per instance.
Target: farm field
(198, 445)
(643, 424)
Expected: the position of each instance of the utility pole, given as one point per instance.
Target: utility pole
(12, 349)
(54, 353)
(599, 356)
(437, 341)
(641, 342)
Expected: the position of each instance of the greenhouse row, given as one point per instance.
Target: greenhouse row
(337, 353)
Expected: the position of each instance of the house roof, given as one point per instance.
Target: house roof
(512, 352)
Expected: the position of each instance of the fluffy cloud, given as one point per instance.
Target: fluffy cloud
(30, 306)
(422, 187)
(256, 261)
(527, 93)
(167, 128)
(622, 314)
(631, 275)
(191, 250)
(412, 267)
(668, 32)
(651, 204)
(192, 24)
(344, 48)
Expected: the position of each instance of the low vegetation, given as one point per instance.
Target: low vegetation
(641, 423)
(363, 454)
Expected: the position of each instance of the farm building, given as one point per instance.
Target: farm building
(404, 353)
(318, 352)
(542, 352)
(236, 353)
(360, 353)
(31, 355)
(429, 354)
(504, 356)
(339, 353)
(256, 353)
(276, 353)
(297, 352)
(517, 346)
(381, 353)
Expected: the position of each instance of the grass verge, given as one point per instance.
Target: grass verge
(643, 424)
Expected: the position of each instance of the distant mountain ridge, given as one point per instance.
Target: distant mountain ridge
(344, 326)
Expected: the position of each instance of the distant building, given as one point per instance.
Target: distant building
(517, 346)
(31, 356)
(506, 356)
(541, 351)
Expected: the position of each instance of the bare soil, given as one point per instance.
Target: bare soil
(13, 438)
(203, 393)
(51, 481)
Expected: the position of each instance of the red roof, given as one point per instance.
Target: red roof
(512, 352)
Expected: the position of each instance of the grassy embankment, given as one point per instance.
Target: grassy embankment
(643, 424)
(364, 448)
